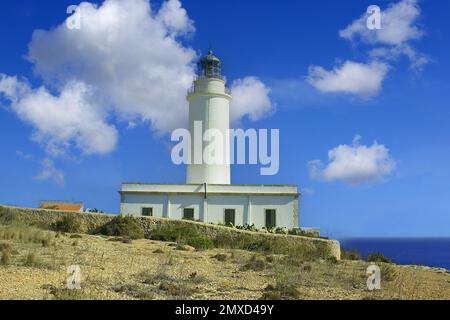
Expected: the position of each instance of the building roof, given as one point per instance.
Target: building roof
(235, 189)
(61, 205)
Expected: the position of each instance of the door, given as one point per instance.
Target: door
(271, 218)
(188, 214)
(230, 217)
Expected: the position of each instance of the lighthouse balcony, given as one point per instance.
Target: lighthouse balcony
(199, 88)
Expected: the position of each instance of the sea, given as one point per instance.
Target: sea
(432, 252)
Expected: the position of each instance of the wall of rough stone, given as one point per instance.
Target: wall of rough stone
(92, 221)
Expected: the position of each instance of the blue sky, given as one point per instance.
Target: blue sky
(401, 102)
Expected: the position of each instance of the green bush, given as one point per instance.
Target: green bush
(69, 224)
(183, 234)
(296, 232)
(281, 230)
(350, 255)
(232, 241)
(127, 227)
(377, 257)
(174, 233)
(248, 228)
(201, 242)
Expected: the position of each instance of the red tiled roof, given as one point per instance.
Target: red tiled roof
(62, 206)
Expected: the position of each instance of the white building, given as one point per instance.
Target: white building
(208, 195)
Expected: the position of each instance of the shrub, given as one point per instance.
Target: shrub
(282, 230)
(255, 263)
(5, 246)
(247, 228)
(46, 242)
(67, 294)
(200, 242)
(378, 257)
(174, 233)
(264, 245)
(69, 224)
(350, 255)
(388, 272)
(127, 240)
(220, 257)
(183, 234)
(126, 227)
(269, 230)
(31, 259)
(296, 232)
(24, 234)
(6, 257)
(8, 217)
(281, 291)
(176, 287)
(305, 251)
(135, 291)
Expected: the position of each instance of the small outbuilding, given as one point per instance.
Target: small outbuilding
(62, 205)
(267, 206)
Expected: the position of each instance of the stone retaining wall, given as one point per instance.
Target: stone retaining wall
(92, 221)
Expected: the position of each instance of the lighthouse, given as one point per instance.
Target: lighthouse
(209, 110)
(208, 194)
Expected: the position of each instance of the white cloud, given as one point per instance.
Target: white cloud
(175, 17)
(364, 80)
(60, 121)
(399, 26)
(129, 54)
(127, 63)
(251, 98)
(49, 172)
(354, 163)
(417, 60)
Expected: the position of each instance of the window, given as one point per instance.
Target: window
(147, 212)
(188, 214)
(230, 217)
(271, 221)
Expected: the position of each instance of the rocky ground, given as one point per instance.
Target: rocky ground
(144, 269)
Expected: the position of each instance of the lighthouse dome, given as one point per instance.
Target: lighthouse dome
(210, 66)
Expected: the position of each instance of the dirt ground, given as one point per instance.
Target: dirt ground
(145, 269)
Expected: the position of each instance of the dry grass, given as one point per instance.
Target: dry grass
(146, 269)
(256, 263)
(6, 257)
(24, 234)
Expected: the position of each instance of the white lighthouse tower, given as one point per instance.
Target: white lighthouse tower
(208, 194)
(209, 109)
